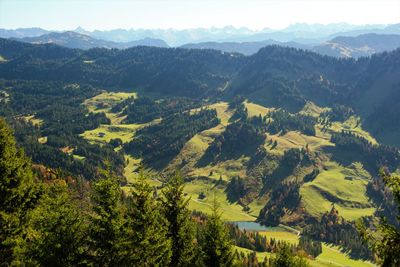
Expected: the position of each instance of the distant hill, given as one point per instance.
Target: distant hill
(22, 32)
(341, 46)
(245, 48)
(359, 46)
(72, 39)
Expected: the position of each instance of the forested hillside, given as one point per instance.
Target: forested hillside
(277, 76)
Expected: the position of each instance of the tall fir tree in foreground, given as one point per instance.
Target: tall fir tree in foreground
(18, 195)
(180, 226)
(385, 240)
(107, 228)
(286, 258)
(57, 229)
(147, 228)
(216, 243)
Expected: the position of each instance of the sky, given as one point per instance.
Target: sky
(184, 14)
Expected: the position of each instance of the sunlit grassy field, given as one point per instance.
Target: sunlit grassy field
(230, 212)
(105, 101)
(286, 236)
(256, 110)
(346, 185)
(332, 256)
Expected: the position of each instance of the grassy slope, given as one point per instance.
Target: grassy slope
(256, 110)
(282, 236)
(195, 148)
(347, 186)
(104, 102)
(353, 202)
(330, 256)
(230, 211)
(260, 255)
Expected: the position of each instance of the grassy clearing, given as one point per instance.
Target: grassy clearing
(282, 236)
(223, 112)
(105, 133)
(42, 140)
(131, 165)
(230, 212)
(105, 101)
(260, 255)
(353, 125)
(344, 186)
(130, 173)
(33, 120)
(77, 157)
(194, 149)
(311, 109)
(256, 110)
(295, 139)
(332, 256)
(224, 170)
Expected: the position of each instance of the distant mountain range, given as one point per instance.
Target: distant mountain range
(342, 46)
(72, 39)
(370, 39)
(299, 33)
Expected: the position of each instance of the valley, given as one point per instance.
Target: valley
(282, 138)
(345, 186)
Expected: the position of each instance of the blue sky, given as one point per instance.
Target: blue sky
(180, 14)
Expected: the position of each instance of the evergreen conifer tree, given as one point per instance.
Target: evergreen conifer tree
(18, 194)
(180, 226)
(107, 233)
(149, 243)
(57, 229)
(216, 242)
(385, 241)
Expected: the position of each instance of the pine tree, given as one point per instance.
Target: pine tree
(180, 226)
(285, 258)
(216, 242)
(385, 240)
(106, 234)
(57, 233)
(147, 232)
(18, 194)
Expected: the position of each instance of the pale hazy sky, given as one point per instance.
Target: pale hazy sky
(180, 14)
